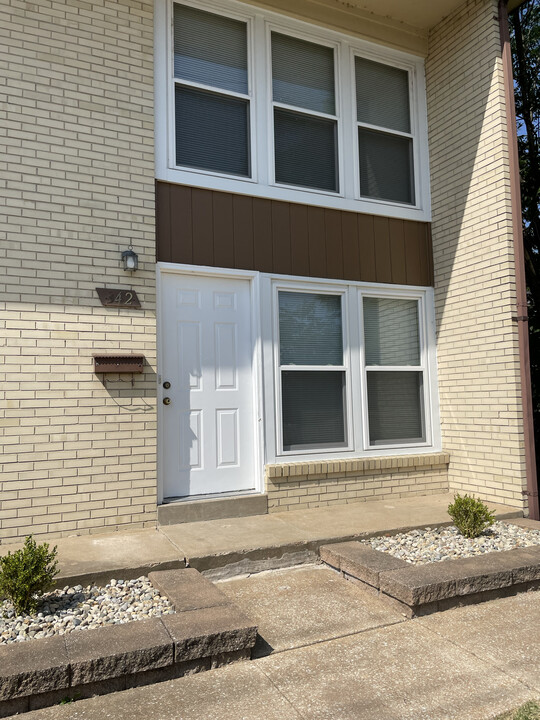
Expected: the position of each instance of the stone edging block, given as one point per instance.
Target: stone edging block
(206, 630)
(421, 587)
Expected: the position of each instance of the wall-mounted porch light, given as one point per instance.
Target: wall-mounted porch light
(130, 259)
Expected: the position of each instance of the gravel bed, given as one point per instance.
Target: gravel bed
(446, 543)
(77, 608)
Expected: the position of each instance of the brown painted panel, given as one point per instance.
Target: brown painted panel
(243, 232)
(281, 237)
(202, 226)
(299, 240)
(223, 229)
(397, 251)
(181, 236)
(334, 243)
(262, 235)
(316, 242)
(351, 247)
(206, 227)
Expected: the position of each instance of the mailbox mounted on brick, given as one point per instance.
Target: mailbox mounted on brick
(118, 363)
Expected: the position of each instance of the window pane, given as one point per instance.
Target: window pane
(313, 409)
(303, 74)
(386, 166)
(395, 407)
(391, 331)
(210, 49)
(211, 131)
(382, 95)
(310, 330)
(305, 150)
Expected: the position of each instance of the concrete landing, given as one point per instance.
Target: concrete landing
(222, 548)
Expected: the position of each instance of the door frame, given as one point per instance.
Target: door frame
(163, 268)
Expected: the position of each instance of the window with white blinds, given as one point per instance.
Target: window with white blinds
(300, 112)
(351, 377)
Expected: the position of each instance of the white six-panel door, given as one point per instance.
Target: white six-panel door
(208, 436)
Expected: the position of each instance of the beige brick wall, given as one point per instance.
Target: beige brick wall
(76, 176)
(475, 292)
(298, 486)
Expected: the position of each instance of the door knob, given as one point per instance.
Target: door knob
(166, 400)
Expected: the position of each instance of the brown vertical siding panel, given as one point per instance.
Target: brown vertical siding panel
(317, 242)
(222, 204)
(281, 237)
(243, 232)
(334, 243)
(299, 240)
(262, 235)
(203, 227)
(181, 225)
(366, 242)
(397, 251)
(414, 247)
(383, 266)
(351, 250)
(430, 278)
(163, 223)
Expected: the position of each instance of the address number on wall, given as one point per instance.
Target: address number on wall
(115, 297)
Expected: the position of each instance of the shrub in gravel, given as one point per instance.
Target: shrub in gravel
(470, 515)
(26, 574)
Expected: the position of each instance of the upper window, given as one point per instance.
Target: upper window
(303, 114)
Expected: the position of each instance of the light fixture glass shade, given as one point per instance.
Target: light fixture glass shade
(130, 260)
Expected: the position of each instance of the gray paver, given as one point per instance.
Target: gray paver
(116, 650)
(27, 669)
(187, 589)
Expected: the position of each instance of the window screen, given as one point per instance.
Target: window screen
(395, 407)
(391, 331)
(386, 167)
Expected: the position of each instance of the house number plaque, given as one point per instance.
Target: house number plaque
(113, 297)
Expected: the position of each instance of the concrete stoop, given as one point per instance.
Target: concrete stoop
(424, 589)
(206, 631)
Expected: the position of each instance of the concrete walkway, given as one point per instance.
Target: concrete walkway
(242, 544)
(339, 654)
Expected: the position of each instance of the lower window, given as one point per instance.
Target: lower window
(352, 376)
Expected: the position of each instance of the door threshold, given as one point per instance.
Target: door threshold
(211, 507)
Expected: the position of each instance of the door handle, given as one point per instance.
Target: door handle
(166, 400)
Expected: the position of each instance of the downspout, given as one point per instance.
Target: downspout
(521, 284)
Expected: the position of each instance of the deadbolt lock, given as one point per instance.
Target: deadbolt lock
(166, 400)
(166, 384)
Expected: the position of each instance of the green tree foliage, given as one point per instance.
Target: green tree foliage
(525, 34)
(26, 574)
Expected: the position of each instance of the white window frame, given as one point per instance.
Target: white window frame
(354, 360)
(261, 183)
(313, 289)
(422, 367)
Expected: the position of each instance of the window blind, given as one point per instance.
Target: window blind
(211, 131)
(386, 166)
(391, 331)
(310, 331)
(395, 407)
(305, 150)
(210, 49)
(382, 95)
(303, 74)
(313, 409)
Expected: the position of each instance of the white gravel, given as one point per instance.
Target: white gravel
(77, 608)
(437, 544)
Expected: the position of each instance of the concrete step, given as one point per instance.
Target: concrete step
(187, 511)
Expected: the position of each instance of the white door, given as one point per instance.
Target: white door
(207, 352)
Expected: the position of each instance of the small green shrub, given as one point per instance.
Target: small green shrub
(470, 515)
(26, 574)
